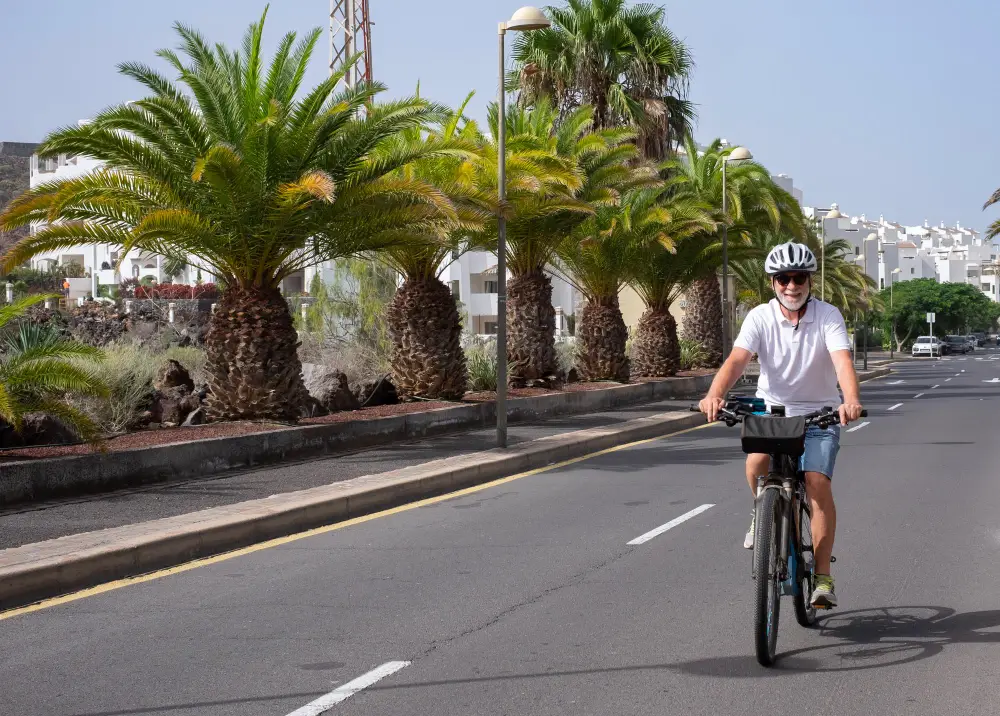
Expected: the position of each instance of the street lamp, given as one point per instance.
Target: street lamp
(892, 343)
(738, 154)
(524, 20)
(834, 213)
(864, 256)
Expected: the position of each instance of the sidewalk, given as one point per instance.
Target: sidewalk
(47, 520)
(26, 524)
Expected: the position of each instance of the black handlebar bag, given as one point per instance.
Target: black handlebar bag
(781, 436)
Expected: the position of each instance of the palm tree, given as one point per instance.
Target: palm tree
(252, 181)
(621, 60)
(557, 175)
(668, 267)
(599, 259)
(755, 203)
(427, 357)
(39, 368)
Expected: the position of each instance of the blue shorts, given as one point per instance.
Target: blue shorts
(822, 446)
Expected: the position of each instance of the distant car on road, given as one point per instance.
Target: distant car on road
(927, 346)
(981, 337)
(957, 344)
(973, 341)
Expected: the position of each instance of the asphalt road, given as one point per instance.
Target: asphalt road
(526, 598)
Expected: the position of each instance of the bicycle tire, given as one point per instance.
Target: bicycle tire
(805, 613)
(767, 595)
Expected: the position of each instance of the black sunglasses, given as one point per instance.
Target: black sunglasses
(799, 278)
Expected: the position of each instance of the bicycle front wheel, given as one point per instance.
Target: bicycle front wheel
(767, 594)
(805, 612)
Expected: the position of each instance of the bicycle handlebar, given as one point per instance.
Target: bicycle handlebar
(734, 413)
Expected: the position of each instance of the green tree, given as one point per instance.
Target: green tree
(755, 203)
(426, 329)
(606, 253)
(621, 60)
(958, 308)
(668, 268)
(39, 368)
(557, 174)
(248, 177)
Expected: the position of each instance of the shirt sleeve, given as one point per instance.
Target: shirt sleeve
(835, 331)
(749, 337)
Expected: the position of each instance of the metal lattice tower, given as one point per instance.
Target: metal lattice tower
(350, 33)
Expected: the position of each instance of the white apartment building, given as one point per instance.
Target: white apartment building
(946, 254)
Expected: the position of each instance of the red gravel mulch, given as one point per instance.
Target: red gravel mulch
(165, 436)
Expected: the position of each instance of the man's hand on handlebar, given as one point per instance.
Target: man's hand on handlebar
(711, 406)
(849, 412)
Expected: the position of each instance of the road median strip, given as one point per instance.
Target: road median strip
(67, 564)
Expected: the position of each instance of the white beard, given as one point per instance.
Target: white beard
(793, 306)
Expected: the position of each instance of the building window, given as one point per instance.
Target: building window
(857, 250)
(912, 270)
(490, 287)
(490, 328)
(881, 283)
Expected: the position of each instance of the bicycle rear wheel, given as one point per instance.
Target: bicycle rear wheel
(767, 595)
(805, 613)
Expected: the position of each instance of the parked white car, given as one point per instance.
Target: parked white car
(927, 346)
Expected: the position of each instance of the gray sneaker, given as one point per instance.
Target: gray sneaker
(748, 540)
(823, 596)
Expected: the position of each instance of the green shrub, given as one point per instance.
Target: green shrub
(481, 362)
(693, 354)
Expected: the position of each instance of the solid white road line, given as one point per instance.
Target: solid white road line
(946, 380)
(641, 539)
(897, 382)
(895, 406)
(342, 693)
(935, 386)
(918, 395)
(858, 427)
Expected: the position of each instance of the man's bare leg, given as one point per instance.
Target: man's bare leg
(824, 519)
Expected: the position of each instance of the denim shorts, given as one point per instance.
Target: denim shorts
(822, 446)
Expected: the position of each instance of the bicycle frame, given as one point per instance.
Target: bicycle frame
(784, 476)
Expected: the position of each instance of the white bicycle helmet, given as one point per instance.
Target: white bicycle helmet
(790, 257)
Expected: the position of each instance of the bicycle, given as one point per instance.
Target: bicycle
(783, 562)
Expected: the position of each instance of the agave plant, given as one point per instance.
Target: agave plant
(39, 368)
(248, 177)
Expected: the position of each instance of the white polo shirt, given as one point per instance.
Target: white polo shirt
(796, 369)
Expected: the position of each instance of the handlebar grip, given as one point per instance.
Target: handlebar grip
(864, 413)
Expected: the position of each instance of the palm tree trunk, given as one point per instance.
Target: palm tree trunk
(656, 352)
(531, 326)
(703, 320)
(602, 338)
(427, 356)
(254, 372)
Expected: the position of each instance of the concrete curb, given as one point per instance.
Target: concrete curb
(32, 480)
(60, 566)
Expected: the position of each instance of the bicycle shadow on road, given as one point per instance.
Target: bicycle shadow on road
(860, 640)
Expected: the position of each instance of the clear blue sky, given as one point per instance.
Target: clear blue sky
(885, 107)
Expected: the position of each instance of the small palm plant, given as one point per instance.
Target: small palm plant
(39, 368)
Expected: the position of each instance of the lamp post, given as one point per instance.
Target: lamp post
(834, 213)
(738, 154)
(864, 256)
(892, 343)
(524, 20)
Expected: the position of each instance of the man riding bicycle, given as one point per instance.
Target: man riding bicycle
(804, 352)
